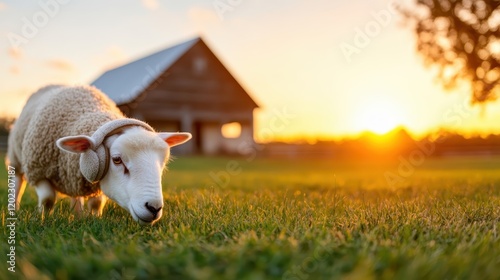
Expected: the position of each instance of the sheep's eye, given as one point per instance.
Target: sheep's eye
(117, 160)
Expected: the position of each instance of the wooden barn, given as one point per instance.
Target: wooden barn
(185, 88)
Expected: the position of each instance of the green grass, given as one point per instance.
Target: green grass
(278, 219)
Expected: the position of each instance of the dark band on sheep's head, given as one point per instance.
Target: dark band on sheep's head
(94, 162)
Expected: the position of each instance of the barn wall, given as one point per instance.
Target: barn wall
(187, 85)
(212, 139)
(197, 94)
(165, 125)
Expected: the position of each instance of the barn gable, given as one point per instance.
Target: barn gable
(183, 88)
(125, 83)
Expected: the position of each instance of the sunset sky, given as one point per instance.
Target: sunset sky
(306, 58)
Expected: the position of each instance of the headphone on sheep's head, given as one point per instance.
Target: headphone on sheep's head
(94, 162)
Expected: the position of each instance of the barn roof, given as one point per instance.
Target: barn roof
(125, 83)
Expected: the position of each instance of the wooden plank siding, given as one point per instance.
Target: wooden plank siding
(196, 94)
(214, 87)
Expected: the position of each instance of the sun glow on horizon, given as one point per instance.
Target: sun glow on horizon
(378, 116)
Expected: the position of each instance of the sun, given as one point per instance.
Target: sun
(379, 116)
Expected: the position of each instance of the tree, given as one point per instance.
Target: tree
(460, 37)
(5, 125)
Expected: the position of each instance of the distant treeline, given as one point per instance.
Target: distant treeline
(369, 146)
(391, 146)
(5, 125)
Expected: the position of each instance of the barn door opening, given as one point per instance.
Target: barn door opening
(198, 138)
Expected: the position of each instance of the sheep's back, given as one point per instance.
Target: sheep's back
(17, 134)
(60, 112)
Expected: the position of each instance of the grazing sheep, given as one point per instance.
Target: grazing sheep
(74, 140)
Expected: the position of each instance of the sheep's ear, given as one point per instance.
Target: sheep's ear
(175, 138)
(75, 144)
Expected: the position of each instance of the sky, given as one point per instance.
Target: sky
(325, 69)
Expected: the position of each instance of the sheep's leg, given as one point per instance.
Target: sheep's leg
(96, 204)
(46, 196)
(20, 187)
(77, 205)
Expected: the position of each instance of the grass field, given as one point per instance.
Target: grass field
(278, 219)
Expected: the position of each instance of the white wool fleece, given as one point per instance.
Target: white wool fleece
(51, 113)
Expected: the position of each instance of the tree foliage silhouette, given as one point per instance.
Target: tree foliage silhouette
(461, 37)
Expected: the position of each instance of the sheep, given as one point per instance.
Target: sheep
(75, 141)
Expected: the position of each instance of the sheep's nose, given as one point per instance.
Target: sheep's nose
(153, 210)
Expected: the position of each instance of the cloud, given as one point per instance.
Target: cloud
(202, 14)
(203, 19)
(14, 70)
(16, 53)
(115, 56)
(151, 4)
(112, 57)
(60, 65)
(3, 6)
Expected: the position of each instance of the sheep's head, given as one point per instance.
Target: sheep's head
(137, 158)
